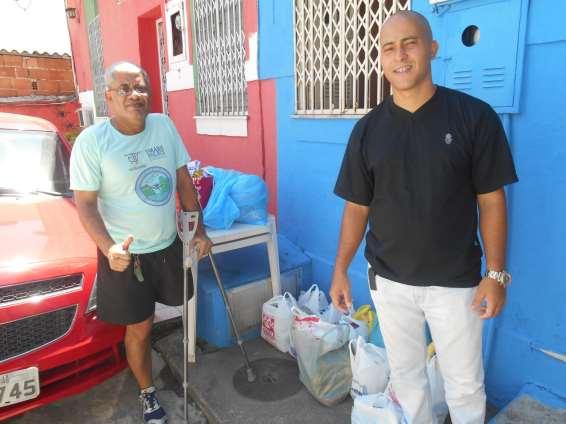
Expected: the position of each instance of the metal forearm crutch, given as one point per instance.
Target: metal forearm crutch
(186, 229)
(249, 370)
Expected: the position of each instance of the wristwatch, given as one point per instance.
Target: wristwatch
(502, 277)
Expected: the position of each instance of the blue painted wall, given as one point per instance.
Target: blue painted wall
(310, 152)
(309, 155)
(536, 316)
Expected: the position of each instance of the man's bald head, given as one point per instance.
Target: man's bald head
(416, 17)
(406, 50)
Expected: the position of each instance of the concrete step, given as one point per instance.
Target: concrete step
(533, 405)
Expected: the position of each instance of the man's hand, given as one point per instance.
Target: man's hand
(340, 292)
(490, 298)
(202, 244)
(118, 255)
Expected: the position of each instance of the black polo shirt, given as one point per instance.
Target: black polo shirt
(420, 173)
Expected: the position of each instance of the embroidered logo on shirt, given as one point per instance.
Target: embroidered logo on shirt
(448, 138)
(155, 152)
(154, 186)
(133, 157)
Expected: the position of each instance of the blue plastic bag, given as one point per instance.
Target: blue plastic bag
(221, 211)
(235, 197)
(250, 195)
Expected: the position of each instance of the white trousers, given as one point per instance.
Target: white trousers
(456, 330)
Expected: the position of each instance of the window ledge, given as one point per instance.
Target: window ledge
(99, 119)
(328, 116)
(231, 126)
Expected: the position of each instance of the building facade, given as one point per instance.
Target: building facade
(274, 87)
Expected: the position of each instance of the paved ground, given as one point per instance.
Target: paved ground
(223, 396)
(211, 382)
(114, 401)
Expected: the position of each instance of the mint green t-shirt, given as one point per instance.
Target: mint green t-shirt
(135, 177)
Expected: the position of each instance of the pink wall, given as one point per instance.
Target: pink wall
(62, 115)
(268, 96)
(250, 22)
(128, 33)
(79, 48)
(119, 25)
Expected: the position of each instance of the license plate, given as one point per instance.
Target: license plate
(19, 386)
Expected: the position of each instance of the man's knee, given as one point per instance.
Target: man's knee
(463, 390)
(139, 332)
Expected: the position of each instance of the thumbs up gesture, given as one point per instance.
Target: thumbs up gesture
(119, 256)
(127, 242)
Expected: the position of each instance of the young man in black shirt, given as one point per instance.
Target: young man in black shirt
(417, 169)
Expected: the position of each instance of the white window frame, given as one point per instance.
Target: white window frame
(171, 8)
(180, 73)
(335, 67)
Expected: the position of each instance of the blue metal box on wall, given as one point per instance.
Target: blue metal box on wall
(482, 44)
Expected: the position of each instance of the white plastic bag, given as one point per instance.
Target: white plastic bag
(313, 300)
(276, 320)
(331, 314)
(322, 356)
(436, 383)
(356, 327)
(376, 409)
(370, 370)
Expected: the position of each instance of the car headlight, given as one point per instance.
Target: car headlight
(92, 298)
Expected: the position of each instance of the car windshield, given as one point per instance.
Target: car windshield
(33, 162)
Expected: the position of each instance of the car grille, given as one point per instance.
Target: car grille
(22, 292)
(27, 334)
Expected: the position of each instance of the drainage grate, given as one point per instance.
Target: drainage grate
(276, 379)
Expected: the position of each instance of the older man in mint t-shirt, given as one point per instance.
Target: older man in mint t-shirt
(125, 172)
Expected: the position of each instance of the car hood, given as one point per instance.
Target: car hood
(40, 228)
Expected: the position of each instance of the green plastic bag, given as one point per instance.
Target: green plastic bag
(322, 355)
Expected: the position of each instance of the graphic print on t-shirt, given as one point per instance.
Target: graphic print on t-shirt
(154, 186)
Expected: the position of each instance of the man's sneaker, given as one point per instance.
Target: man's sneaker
(153, 413)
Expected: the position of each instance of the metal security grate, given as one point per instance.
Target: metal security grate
(220, 58)
(337, 69)
(22, 292)
(97, 65)
(162, 54)
(27, 334)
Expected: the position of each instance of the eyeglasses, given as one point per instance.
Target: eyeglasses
(125, 90)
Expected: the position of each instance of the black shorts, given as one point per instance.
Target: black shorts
(122, 299)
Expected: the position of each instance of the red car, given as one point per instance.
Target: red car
(52, 344)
